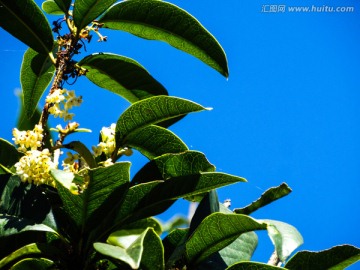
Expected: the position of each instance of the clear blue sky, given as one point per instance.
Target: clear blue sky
(289, 112)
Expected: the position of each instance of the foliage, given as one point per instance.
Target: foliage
(90, 214)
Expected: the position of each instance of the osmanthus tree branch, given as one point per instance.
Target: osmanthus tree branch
(274, 259)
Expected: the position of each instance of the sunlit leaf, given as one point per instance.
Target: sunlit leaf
(159, 20)
(151, 111)
(286, 238)
(50, 7)
(335, 258)
(216, 232)
(37, 70)
(269, 196)
(122, 76)
(87, 11)
(254, 266)
(24, 20)
(153, 141)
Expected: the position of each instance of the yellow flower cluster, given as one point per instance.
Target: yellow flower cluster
(34, 167)
(61, 102)
(107, 145)
(69, 163)
(30, 139)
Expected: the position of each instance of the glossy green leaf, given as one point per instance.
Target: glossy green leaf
(122, 76)
(241, 249)
(31, 250)
(153, 141)
(159, 20)
(37, 71)
(106, 187)
(83, 151)
(152, 198)
(125, 245)
(142, 224)
(24, 20)
(253, 266)
(34, 263)
(335, 258)
(153, 255)
(266, 198)
(216, 232)
(286, 238)
(171, 243)
(8, 154)
(50, 7)
(87, 11)
(64, 5)
(151, 111)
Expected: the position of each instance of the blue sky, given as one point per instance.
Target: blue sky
(289, 112)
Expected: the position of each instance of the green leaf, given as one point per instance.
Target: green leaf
(25, 201)
(37, 71)
(175, 222)
(152, 198)
(172, 241)
(34, 263)
(8, 154)
(335, 258)
(253, 266)
(32, 250)
(64, 5)
(106, 187)
(216, 232)
(182, 164)
(129, 246)
(241, 249)
(285, 237)
(87, 11)
(266, 198)
(142, 224)
(83, 151)
(50, 7)
(122, 76)
(153, 255)
(153, 141)
(24, 20)
(151, 111)
(159, 20)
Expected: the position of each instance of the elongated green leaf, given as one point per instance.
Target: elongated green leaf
(24, 20)
(87, 11)
(153, 141)
(266, 198)
(175, 222)
(173, 165)
(125, 245)
(36, 73)
(151, 111)
(64, 5)
(50, 7)
(151, 198)
(253, 266)
(143, 224)
(285, 237)
(106, 187)
(34, 263)
(84, 152)
(32, 250)
(216, 232)
(122, 76)
(171, 243)
(158, 20)
(335, 258)
(153, 255)
(8, 154)
(10, 225)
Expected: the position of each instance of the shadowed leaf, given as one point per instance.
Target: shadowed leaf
(253, 266)
(24, 20)
(335, 258)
